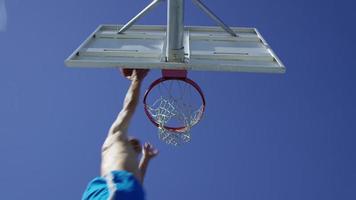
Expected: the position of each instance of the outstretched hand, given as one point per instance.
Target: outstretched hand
(135, 74)
(149, 151)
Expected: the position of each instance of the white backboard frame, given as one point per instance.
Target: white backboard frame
(205, 49)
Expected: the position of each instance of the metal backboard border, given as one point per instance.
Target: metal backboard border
(216, 61)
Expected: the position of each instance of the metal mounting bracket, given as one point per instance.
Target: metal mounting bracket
(150, 7)
(175, 26)
(214, 17)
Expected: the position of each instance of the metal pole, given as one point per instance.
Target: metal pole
(175, 31)
(214, 17)
(139, 15)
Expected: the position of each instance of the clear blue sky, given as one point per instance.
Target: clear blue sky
(264, 136)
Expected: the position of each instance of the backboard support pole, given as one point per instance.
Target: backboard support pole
(210, 13)
(150, 7)
(175, 8)
(175, 31)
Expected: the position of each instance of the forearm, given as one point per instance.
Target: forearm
(129, 107)
(143, 167)
(132, 96)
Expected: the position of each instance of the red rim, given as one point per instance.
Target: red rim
(161, 80)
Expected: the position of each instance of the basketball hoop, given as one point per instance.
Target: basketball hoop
(174, 103)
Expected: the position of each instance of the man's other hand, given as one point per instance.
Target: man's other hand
(149, 151)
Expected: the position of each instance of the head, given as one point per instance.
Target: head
(136, 144)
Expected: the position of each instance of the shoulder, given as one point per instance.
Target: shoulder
(112, 139)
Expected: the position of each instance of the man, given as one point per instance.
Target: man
(121, 174)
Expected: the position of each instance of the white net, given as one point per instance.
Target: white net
(175, 110)
(168, 111)
(175, 106)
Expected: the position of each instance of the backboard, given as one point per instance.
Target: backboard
(205, 49)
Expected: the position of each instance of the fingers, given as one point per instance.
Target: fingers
(134, 74)
(146, 148)
(148, 145)
(141, 73)
(149, 150)
(155, 152)
(145, 72)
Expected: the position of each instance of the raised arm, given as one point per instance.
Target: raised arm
(122, 121)
(148, 152)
